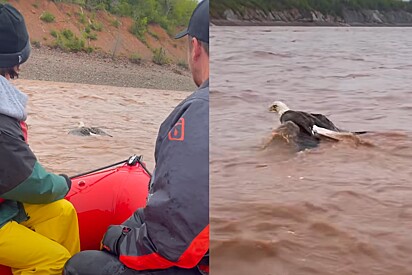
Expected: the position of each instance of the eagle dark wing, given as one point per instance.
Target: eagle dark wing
(322, 121)
(82, 131)
(304, 120)
(98, 131)
(295, 137)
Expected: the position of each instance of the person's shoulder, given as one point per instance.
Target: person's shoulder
(8, 123)
(199, 99)
(201, 94)
(11, 127)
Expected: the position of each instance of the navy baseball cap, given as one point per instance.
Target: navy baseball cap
(199, 23)
(14, 38)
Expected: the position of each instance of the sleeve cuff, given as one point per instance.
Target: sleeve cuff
(112, 237)
(68, 180)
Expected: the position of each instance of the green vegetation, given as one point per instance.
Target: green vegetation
(89, 49)
(47, 17)
(96, 26)
(135, 58)
(36, 43)
(159, 56)
(154, 35)
(139, 28)
(167, 13)
(116, 23)
(183, 64)
(82, 18)
(54, 33)
(67, 41)
(334, 7)
(90, 35)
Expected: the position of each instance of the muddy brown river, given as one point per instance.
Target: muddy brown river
(132, 116)
(341, 208)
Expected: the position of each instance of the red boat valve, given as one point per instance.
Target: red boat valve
(81, 184)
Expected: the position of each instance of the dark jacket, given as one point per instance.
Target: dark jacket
(173, 228)
(22, 177)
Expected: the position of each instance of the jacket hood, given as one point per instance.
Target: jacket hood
(12, 101)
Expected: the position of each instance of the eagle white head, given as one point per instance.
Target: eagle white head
(278, 107)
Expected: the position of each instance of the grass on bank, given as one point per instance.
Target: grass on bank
(116, 23)
(183, 64)
(167, 13)
(160, 57)
(47, 17)
(135, 58)
(66, 40)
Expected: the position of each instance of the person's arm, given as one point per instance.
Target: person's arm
(22, 177)
(174, 230)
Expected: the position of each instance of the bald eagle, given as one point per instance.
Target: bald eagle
(310, 128)
(81, 130)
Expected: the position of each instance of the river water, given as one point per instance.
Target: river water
(341, 208)
(132, 116)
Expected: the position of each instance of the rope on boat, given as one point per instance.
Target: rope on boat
(130, 161)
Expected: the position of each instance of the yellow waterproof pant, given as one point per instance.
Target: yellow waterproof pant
(42, 244)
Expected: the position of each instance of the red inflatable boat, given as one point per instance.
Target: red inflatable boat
(106, 197)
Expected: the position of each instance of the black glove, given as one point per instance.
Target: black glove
(112, 238)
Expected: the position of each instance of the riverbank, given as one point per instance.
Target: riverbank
(79, 27)
(224, 22)
(53, 65)
(297, 17)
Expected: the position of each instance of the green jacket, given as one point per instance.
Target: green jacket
(22, 178)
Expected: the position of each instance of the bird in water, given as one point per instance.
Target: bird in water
(81, 130)
(306, 130)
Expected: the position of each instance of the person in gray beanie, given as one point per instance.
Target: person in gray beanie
(38, 228)
(15, 43)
